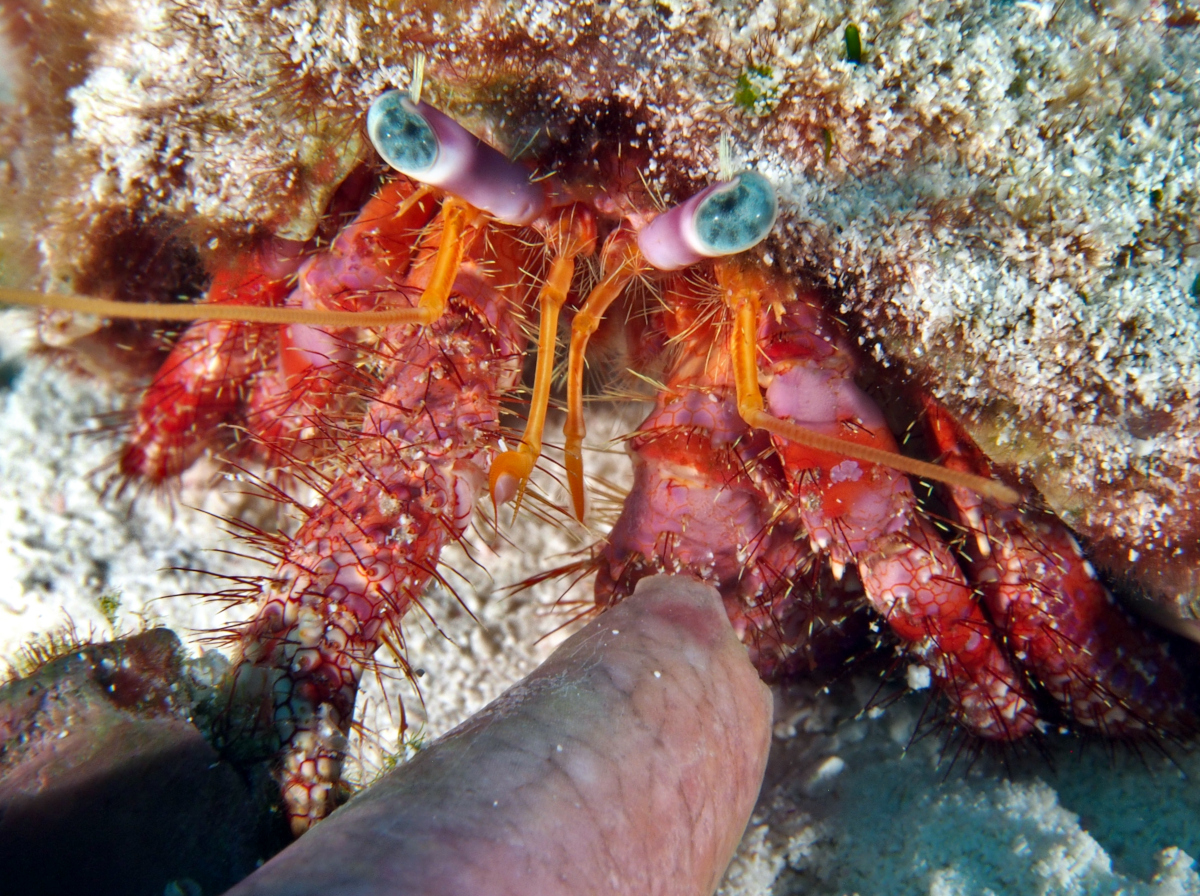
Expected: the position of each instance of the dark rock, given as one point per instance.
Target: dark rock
(106, 786)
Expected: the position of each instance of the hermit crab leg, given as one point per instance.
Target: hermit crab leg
(363, 267)
(1061, 625)
(199, 384)
(703, 502)
(724, 219)
(406, 487)
(570, 235)
(867, 514)
(623, 263)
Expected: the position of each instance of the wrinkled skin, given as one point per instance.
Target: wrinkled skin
(627, 763)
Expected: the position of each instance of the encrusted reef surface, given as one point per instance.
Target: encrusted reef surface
(1000, 196)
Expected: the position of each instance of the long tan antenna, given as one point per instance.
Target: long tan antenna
(185, 312)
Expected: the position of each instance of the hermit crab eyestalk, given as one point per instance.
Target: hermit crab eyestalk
(727, 218)
(432, 148)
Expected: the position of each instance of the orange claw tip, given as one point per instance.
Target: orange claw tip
(504, 487)
(509, 473)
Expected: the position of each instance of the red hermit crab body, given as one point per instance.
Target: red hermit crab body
(790, 500)
(759, 517)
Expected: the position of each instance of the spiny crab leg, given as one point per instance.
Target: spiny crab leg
(703, 502)
(1063, 627)
(724, 219)
(865, 515)
(739, 287)
(315, 367)
(572, 234)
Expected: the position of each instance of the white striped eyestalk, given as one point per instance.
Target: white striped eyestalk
(432, 148)
(727, 218)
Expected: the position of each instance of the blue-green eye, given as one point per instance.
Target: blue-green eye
(735, 218)
(401, 135)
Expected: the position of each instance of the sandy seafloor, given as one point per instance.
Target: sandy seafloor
(851, 804)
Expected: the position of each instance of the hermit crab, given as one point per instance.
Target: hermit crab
(376, 367)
